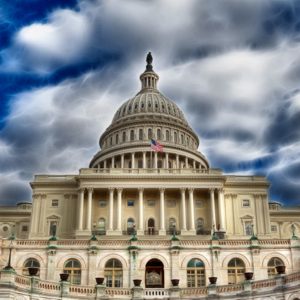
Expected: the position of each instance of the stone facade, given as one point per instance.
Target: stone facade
(150, 215)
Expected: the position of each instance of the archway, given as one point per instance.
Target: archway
(154, 274)
(151, 226)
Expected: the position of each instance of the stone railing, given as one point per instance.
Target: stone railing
(156, 293)
(88, 171)
(14, 284)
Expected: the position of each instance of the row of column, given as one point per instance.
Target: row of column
(154, 161)
(162, 230)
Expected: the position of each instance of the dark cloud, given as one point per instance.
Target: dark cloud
(231, 66)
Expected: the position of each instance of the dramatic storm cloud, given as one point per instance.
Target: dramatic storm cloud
(232, 66)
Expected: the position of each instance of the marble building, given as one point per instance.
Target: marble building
(154, 216)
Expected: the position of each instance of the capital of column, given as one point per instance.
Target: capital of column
(162, 190)
(120, 190)
(211, 190)
(111, 189)
(140, 189)
(182, 190)
(221, 190)
(90, 189)
(191, 190)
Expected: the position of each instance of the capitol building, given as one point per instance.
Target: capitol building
(149, 219)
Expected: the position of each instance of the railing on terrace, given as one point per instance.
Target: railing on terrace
(156, 293)
(87, 171)
(27, 284)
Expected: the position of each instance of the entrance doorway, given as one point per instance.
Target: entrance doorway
(151, 226)
(154, 274)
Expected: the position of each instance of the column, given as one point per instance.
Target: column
(122, 161)
(80, 206)
(194, 164)
(141, 212)
(155, 160)
(162, 230)
(132, 161)
(213, 208)
(112, 162)
(183, 212)
(119, 220)
(186, 162)
(144, 160)
(104, 164)
(192, 211)
(221, 209)
(89, 209)
(177, 162)
(167, 161)
(111, 209)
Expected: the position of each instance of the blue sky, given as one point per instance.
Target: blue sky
(232, 66)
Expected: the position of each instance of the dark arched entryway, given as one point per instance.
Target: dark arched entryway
(154, 274)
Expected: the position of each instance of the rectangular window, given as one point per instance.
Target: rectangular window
(24, 228)
(248, 227)
(246, 203)
(198, 203)
(130, 203)
(102, 203)
(273, 228)
(151, 203)
(54, 203)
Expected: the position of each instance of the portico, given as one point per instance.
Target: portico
(170, 208)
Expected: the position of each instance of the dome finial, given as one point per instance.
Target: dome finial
(149, 60)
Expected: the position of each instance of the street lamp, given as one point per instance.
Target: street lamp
(8, 267)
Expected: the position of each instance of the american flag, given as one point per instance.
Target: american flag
(156, 146)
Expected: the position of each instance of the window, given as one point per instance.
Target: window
(54, 203)
(73, 268)
(199, 203)
(124, 136)
(195, 273)
(172, 226)
(130, 226)
(102, 203)
(101, 224)
(246, 203)
(5, 228)
(158, 134)
(273, 262)
(132, 135)
(167, 135)
(113, 273)
(181, 139)
(248, 227)
(175, 137)
(110, 141)
(140, 163)
(53, 228)
(149, 133)
(140, 134)
(236, 270)
(24, 228)
(117, 139)
(151, 202)
(274, 228)
(130, 203)
(159, 164)
(200, 226)
(171, 203)
(31, 263)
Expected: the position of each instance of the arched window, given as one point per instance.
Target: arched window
(117, 139)
(132, 135)
(130, 226)
(167, 135)
(158, 134)
(113, 273)
(172, 226)
(181, 139)
(31, 263)
(236, 270)
(195, 273)
(149, 133)
(73, 268)
(273, 262)
(124, 137)
(110, 141)
(141, 134)
(175, 137)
